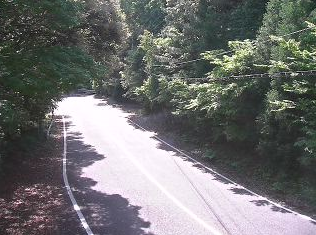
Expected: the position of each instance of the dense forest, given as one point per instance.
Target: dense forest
(235, 72)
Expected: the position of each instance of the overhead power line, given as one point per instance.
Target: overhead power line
(298, 31)
(249, 76)
(191, 61)
(230, 51)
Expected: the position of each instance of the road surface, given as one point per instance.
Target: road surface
(126, 182)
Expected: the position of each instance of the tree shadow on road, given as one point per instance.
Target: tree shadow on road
(105, 213)
(275, 208)
(241, 191)
(159, 123)
(236, 189)
(127, 106)
(217, 177)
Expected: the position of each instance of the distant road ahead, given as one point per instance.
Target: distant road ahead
(128, 183)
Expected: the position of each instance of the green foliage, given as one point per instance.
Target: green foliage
(246, 19)
(103, 34)
(273, 115)
(148, 93)
(47, 48)
(242, 61)
(143, 15)
(134, 73)
(282, 17)
(287, 123)
(210, 154)
(137, 47)
(184, 29)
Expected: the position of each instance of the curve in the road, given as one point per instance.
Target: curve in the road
(148, 176)
(159, 186)
(224, 177)
(170, 196)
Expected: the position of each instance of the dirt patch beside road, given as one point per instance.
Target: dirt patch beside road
(33, 199)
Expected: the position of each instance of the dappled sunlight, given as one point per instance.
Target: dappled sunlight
(131, 118)
(29, 207)
(112, 159)
(105, 213)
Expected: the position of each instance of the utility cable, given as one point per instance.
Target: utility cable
(248, 76)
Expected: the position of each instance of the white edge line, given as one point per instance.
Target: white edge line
(224, 177)
(71, 196)
(210, 228)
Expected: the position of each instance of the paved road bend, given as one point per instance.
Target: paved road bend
(128, 183)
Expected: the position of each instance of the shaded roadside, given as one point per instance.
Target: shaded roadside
(32, 195)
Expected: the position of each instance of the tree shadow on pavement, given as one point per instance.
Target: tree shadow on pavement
(105, 213)
(241, 191)
(148, 122)
(217, 177)
(197, 164)
(127, 106)
(275, 208)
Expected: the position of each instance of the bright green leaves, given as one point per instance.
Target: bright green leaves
(272, 113)
(44, 48)
(36, 79)
(241, 62)
(147, 44)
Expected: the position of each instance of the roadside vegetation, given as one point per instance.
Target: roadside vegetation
(236, 74)
(48, 48)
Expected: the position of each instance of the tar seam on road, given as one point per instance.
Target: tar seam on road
(169, 195)
(203, 198)
(71, 196)
(224, 177)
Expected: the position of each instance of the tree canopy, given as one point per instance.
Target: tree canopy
(239, 72)
(48, 48)
(235, 72)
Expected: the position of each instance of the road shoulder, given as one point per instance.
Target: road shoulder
(33, 199)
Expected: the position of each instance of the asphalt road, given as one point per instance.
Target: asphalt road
(128, 183)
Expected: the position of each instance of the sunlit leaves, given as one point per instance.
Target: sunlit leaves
(40, 59)
(240, 62)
